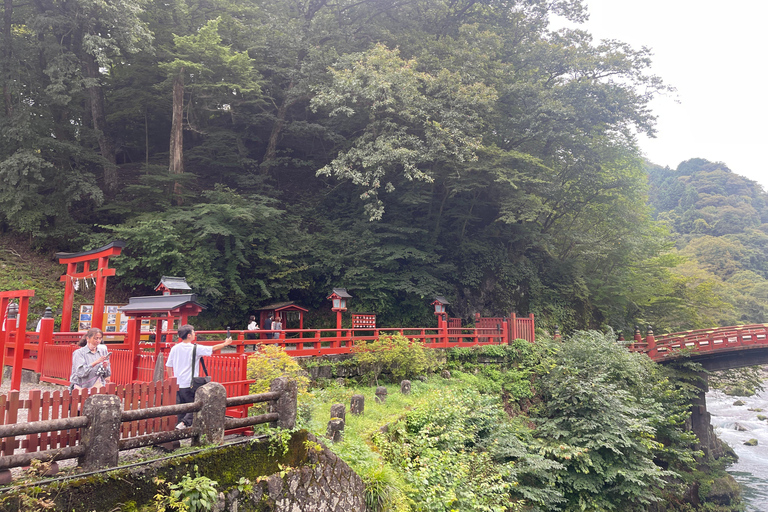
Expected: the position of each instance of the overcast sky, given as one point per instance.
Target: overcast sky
(714, 54)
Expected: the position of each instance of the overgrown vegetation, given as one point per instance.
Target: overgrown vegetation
(190, 494)
(576, 425)
(397, 355)
(270, 362)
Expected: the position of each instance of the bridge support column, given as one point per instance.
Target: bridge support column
(700, 424)
(712, 447)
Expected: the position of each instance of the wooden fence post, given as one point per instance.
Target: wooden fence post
(20, 326)
(45, 339)
(533, 328)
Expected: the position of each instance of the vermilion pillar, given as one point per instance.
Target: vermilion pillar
(15, 321)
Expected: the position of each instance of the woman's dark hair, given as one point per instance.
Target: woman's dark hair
(253, 318)
(90, 333)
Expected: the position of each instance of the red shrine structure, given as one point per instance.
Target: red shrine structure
(48, 354)
(79, 270)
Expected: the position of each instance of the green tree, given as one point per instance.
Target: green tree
(610, 407)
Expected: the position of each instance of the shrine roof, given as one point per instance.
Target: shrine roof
(173, 283)
(160, 303)
(280, 306)
(342, 292)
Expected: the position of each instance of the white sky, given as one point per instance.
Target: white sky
(715, 55)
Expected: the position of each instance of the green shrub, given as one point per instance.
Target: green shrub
(271, 362)
(396, 355)
(494, 350)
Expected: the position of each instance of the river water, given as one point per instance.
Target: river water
(735, 425)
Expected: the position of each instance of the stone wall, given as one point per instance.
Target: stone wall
(306, 476)
(327, 485)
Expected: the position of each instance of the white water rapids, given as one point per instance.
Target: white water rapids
(735, 425)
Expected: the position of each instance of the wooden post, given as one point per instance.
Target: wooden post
(533, 328)
(10, 324)
(69, 299)
(514, 327)
(132, 335)
(651, 342)
(21, 338)
(97, 320)
(637, 337)
(46, 338)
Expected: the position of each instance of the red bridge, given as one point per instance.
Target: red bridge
(718, 348)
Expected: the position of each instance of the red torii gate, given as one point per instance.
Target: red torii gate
(99, 277)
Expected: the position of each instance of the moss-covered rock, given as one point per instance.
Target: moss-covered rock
(723, 491)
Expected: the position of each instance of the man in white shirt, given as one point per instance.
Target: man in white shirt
(180, 365)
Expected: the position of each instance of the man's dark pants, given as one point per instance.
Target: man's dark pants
(185, 396)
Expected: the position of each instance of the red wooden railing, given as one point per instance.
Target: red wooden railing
(50, 354)
(720, 339)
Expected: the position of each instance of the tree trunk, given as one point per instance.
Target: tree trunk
(271, 152)
(282, 111)
(146, 141)
(6, 57)
(99, 117)
(177, 148)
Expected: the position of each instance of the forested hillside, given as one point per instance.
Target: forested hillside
(271, 150)
(719, 223)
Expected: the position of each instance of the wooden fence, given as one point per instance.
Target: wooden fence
(61, 404)
(80, 423)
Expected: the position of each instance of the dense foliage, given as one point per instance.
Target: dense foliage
(582, 425)
(270, 150)
(719, 221)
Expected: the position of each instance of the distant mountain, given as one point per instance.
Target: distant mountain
(704, 197)
(719, 221)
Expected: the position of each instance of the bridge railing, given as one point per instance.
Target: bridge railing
(720, 339)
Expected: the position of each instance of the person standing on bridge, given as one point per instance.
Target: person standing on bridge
(252, 326)
(277, 326)
(181, 366)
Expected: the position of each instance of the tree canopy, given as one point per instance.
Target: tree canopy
(269, 151)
